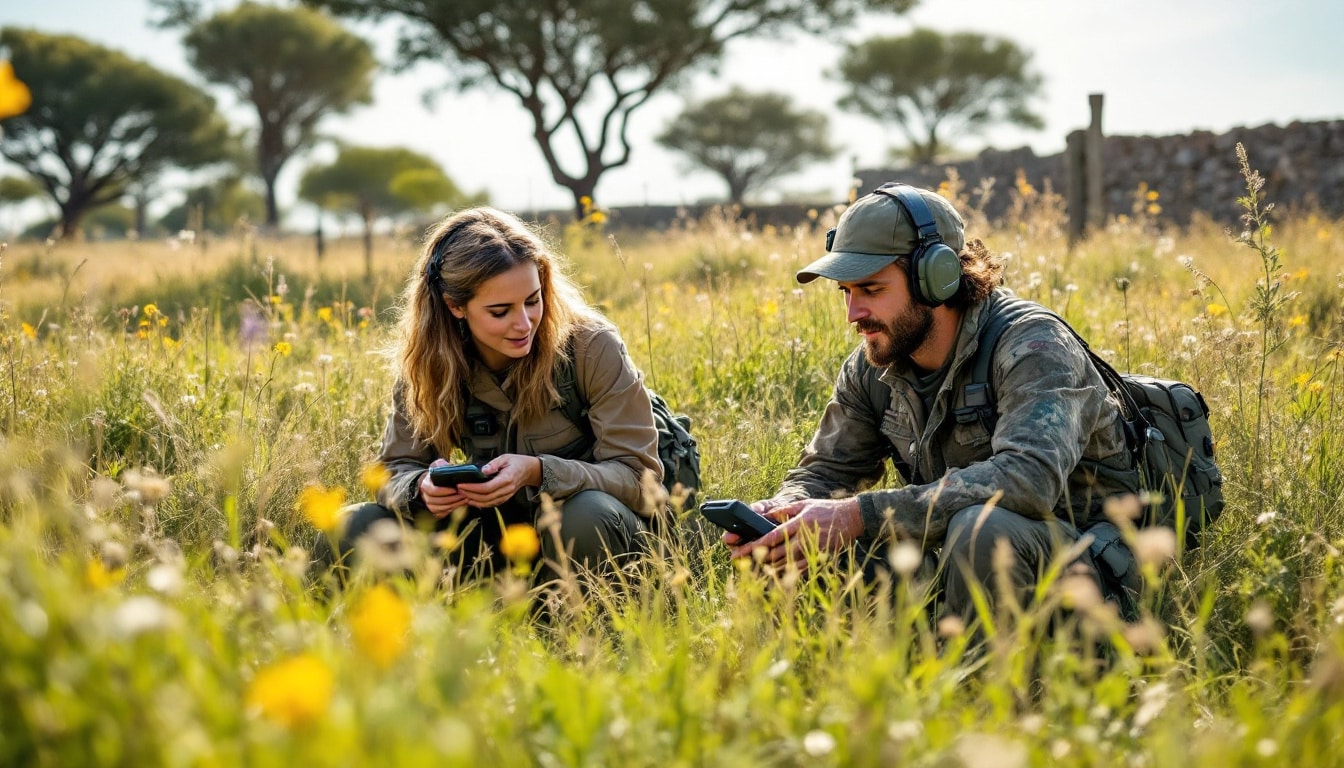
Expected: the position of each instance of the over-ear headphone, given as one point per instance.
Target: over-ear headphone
(935, 269)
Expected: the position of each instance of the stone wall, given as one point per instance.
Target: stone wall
(1302, 164)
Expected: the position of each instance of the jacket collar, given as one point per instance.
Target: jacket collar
(485, 389)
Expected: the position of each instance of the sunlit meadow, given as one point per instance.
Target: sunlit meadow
(180, 420)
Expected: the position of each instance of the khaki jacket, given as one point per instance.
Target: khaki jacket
(623, 446)
(1057, 451)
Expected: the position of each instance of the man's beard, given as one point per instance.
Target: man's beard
(899, 338)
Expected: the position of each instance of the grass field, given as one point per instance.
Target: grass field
(176, 417)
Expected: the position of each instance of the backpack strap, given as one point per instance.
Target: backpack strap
(979, 403)
(572, 402)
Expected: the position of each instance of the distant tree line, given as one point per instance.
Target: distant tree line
(104, 130)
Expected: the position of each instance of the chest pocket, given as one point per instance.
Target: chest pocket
(898, 427)
(483, 438)
(971, 437)
(556, 435)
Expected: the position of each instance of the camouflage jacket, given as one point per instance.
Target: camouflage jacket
(1057, 451)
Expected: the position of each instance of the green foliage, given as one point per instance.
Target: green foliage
(293, 65)
(102, 121)
(749, 139)
(157, 604)
(16, 189)
(217, 207)
(932, 85)
(372, 182)
(582, 68)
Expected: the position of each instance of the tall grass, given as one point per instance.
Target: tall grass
(164, 411)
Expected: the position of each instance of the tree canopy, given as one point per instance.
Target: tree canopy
(934, 85)
(372, 182)
(100, 120)
(580, 68)
(748, 139)
(295, 66)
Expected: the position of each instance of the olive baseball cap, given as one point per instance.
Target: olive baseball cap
(875, 231)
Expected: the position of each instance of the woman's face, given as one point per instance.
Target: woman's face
(503, 315)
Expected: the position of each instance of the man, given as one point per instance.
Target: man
(920, 297)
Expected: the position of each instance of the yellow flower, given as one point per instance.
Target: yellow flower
(1154, 209)
(520, 543)
(293, 693)
(324, 314)
(1297, 320)
(99, 576)
(151, 310)
(1301, 379)
(169, 343)
(1216, 310)
(15, 97)
(322, 506)
(28, 330)
(597, 217)
(283, 348)
(1152, 195)
(375, 476)
(1316, 386)
(275, 299)
(379, 623)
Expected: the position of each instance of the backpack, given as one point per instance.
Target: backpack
(1166, 425)
(677, 449)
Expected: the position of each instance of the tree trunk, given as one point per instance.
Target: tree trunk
(320, 241)
(368, 245)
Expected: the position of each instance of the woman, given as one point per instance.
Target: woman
(489, 324)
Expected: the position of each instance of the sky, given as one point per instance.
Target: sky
(1164, 66)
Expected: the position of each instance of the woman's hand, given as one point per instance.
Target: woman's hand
(509, 473)
(440, 500)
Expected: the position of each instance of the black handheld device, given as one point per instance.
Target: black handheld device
(450, 476)
(736, 517)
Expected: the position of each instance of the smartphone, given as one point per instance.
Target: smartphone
(450, 476)
(736, 517)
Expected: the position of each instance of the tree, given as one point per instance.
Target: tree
(748, 138)
(581, 67)
(215, 207)
(294, 65)
(373, 182)
(100, 121)
(932, 85)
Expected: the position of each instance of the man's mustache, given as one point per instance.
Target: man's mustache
(868, 326)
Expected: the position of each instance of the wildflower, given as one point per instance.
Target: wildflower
(324, 314)
(1152, 195)
(1260, 618)
(386, 548)
(1297, 321)
(283, 348)
(986, 749)
(1153, 209)
(1080, 592)
(374, 476)
(322, 506)
(1216, 310)
(150, 310)
(904, 730)
(379, 623)
(951, 626)
(1152, 700)
(146, 485)
(28, 331)
(165, 578)
(99, 576)
(293, 693)
(1145, 636)
(1155, 546)
(597, 217)
(905, 558)
(14, 95)
(142, 614)
(818, 743)
(520, 543)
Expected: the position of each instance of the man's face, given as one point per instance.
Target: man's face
(881, 308)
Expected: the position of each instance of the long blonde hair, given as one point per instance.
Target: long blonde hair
(433, 352)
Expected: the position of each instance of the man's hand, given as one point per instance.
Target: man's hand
(835, 524)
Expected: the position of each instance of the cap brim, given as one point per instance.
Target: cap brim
(845, 267)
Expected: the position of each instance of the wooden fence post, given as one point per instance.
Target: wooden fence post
(1096, 201)
(1075, 184)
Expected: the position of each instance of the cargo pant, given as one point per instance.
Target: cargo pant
(595, 531)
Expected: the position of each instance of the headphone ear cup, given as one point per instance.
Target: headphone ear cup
(935, 274)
